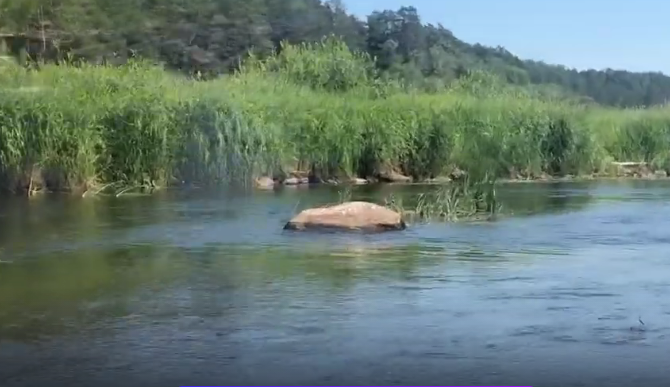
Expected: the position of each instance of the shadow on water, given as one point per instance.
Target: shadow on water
(518, 199)
(69, 292)
(54, 220)
(66, 292)
(208, 283)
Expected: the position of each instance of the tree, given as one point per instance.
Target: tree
(213, 36)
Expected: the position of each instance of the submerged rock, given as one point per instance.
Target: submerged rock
(349, 216)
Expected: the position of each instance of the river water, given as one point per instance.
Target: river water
(205, 288)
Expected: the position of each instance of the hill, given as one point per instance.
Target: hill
(210, 37)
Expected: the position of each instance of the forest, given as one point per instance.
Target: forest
(153, 93)
(211, 37)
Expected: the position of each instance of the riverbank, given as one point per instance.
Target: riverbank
(313, 109)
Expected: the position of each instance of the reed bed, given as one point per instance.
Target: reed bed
(82, 127)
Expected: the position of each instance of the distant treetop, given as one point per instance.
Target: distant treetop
(213, 36)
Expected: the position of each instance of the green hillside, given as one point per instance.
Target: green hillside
(211, 36)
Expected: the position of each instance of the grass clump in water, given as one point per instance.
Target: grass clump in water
(460, 200)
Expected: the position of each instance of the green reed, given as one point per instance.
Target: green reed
(458, 200)
(317, 107)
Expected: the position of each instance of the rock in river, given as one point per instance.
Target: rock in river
(394, 177)
(264, 183)
(349, 216)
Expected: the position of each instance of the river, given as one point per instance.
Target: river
(205, 288)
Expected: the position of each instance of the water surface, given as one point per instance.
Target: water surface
(205, 288)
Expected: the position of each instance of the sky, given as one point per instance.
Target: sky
(619, 34)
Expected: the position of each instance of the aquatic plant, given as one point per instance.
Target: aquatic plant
(459, 200)
(345, 194)
(315, 107)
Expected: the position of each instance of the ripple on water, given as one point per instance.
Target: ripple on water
(215, 287)
(553, 295)
(628, 335)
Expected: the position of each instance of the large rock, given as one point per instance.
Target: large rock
(391, 176)
(266, 183)
(458, 174)
(296, 181)
(632, 169)
(358, 181)
(349, 216)
(351, 181)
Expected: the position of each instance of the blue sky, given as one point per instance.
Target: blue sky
(620, 34)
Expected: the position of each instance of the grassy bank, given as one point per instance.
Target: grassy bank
(76, 127)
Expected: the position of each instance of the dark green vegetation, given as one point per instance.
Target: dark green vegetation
(212, 36)
(317, 107)
(313, 107)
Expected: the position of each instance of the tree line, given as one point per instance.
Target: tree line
(211, 37)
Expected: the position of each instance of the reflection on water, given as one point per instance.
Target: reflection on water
(195, 288)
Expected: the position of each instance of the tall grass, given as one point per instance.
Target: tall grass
(463, 200)
(315, 106)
